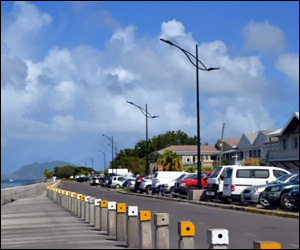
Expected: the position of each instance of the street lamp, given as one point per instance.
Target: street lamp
(188, 54)
(112, 149)
(145, 113)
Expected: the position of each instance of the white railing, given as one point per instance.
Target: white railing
(284, 154)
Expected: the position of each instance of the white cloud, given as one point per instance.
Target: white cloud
(263, 37)
(289, 65)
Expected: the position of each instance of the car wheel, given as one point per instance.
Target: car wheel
(285, 202)
(118, 186)
(263, 202)
(172, 190)
(148, 189)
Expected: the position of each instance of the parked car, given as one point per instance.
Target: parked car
(139, 180)
(170, 186)
(117, 181)
(215, 183)
(177, 183)
(81, 179)
(192, 183)
(164, 177)
(107, 181)
(94, 180)
(130, 185)
(293, 197)
(277, 195)
(145, 185)
(125, 182)
(254, 194)
(237, 178)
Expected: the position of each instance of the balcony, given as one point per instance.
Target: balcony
(278, 155)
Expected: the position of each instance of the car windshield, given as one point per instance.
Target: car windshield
(216, 172)
(295, 179)
(181, 177)
(281, 179)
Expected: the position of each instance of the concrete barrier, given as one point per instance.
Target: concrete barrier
(145, 230)
(97, 222)
(132, 234)
(92, 211)
(112, 218)
(161, 222)
(186, 231)
(103, 215)
(218, 238)
(121, 222)
(29, 191)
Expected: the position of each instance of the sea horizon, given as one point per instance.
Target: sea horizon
(6, 183)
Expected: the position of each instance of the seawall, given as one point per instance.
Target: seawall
(29, 191)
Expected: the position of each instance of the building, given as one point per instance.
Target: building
(229, 149)
(188, 154)
(286, 153)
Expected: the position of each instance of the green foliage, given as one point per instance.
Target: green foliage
(47, 174)
(170, 161)
(191, 169)
(224, 162)
(67, 171)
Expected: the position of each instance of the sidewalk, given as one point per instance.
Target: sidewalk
(39, 223)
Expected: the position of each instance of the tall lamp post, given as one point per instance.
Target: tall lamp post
(188, 54)
(112, 148)
(145, 113)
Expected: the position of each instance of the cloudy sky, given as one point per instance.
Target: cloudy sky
(68, 68)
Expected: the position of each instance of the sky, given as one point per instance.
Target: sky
(69, 68)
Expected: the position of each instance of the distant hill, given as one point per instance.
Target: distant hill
(34, 171)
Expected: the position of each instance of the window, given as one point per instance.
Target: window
(228, 173)
(260, 173)
(241, 156)
(296, 143)
(254, 153)
(284, 144)
(243, 173)
(278, 173)
(258, 153)
(250, 153)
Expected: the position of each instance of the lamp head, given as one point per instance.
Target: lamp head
(130, 102)
(166, 41)
(209, 69)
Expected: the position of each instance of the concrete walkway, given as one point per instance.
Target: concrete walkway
(39, 223)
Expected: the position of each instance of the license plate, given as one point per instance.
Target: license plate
(210, 193)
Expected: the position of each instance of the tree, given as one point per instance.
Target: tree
(65, 172)
(252, 162)
(170, 161)
(47, 174)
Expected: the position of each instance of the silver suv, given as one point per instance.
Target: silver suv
(146, 184)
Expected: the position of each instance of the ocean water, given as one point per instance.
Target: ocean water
(14, 183)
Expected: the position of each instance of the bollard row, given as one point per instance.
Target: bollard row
(128, 224)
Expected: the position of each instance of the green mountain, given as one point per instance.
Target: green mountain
(35, 171)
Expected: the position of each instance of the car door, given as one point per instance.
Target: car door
(227, 182)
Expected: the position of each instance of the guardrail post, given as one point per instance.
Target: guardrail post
(266, 245)
(186, 231)
(103, 215)
(69, 202)
(73, 202)
(111, 218)
(87, 208)
(121, 222)
(217, 238)
(97, 214)
(132, 238)
(92, 211)
(161, 222)
(79, 205)
(82, 204)
(145, 230)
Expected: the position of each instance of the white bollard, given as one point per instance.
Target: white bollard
(218, 238)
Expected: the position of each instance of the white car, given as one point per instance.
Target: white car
(164, 177)
(117, 181)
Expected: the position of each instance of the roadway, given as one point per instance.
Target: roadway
(244, 228)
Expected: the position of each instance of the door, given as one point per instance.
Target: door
(227, 182)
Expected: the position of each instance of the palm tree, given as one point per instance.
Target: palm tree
(170, 161)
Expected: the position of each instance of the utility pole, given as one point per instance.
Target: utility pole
(220, 157)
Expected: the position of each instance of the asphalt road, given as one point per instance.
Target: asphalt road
(244, 228)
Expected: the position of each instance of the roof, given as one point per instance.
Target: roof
(279, 132)
(184, 149)
(232, 141)
(251, 137)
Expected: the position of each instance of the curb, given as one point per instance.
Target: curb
(224, 206)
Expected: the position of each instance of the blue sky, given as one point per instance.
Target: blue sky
(68, 68)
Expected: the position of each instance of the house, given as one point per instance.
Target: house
(286, 153)
(229, 148)
(188, 154)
